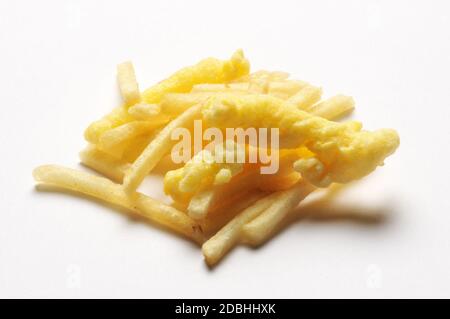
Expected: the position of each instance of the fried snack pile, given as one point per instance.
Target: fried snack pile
(216, 202)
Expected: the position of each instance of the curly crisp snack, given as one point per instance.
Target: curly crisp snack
(261, 144)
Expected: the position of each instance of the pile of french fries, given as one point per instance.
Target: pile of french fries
(245, 206)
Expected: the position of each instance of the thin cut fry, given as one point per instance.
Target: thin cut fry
(285, 89)
(218, 245)
(144, 111)
(306, 97)
(259, 229)
(127, 83)
(117, 117)
(115, 141)
(208, 200)
(156, 150)
(334, 107)
(104, 163)
(110, 192)
(222, 215)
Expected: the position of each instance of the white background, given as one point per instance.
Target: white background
(57, 74)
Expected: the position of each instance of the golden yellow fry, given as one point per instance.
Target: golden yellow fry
(220, 216)
(118, 116)
(104, 163)
(173, 104)
(210, 70)
(157, 148)
(306, 97)
(114, 141)
(218, 245)
(144, 111)
(285, 89)
(267, 75)
(110, 192)
(202, 203)
(334, 107)
(262, 227)
(133, 149)
(128, 85)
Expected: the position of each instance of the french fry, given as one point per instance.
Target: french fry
(106, 190)
(269, 75)
(144, 111)
(137, 146)
(114, 141)
(157, 148)
(306, 97)
(173, 104)
(104, 163)
(218, 245)
(334, 107)
(208, 200)
(128, 85)
(259, 229)
(223, 214)
(116, 117)
(220, 88)
(285, 89)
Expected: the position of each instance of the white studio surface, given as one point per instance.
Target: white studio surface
(58, 61)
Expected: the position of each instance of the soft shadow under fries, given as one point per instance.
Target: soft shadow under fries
(325, 210)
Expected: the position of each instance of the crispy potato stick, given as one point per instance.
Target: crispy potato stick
(110, 192)
(208, 200)
(206, 71)
(104, 163)
(306, 97)
(173, 104)
(218, 245)
(279, 181)
(114, 141)
(259, 85)
(223, 214)
(285, 89)
(157, 148)
(334, 107)
(259, 229)
(220, 87)
(128, 85)
(117, 117)
(144, 111)
(137, 146)
(263, 74)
